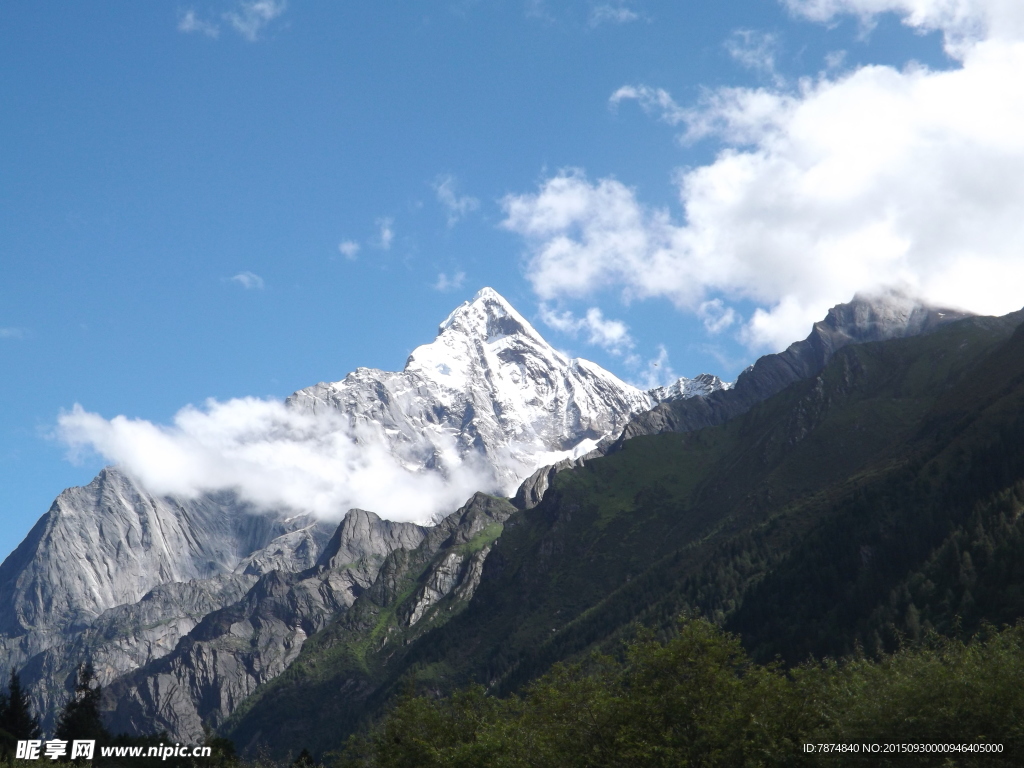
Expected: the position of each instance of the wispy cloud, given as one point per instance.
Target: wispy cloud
(189, 22)
(612, 14)
(653, 101)
(385, 232)
(612, 335)
(349, 249)
(756, 51)
(13, 333)
(250, 19)
(716, 316)
(657, 371)
(248, 280)
(445, 283)
(457, 206)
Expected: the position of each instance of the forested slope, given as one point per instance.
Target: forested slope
(872, 501)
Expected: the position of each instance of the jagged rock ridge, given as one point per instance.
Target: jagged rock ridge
(865, 319)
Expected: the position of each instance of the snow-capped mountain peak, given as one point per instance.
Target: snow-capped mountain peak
(488, 390)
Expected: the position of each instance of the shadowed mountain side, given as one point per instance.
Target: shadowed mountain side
(865, 319)
(697, 521)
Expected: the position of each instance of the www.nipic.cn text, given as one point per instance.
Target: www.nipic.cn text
(55, 749)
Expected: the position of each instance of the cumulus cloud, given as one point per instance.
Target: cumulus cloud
(349, 249)
(876, 177)
(386, 233)
(963, 23)
(189, 22)
(456, 205)
(251, 18)
(613, 335)
(248, 280)
(275, 457)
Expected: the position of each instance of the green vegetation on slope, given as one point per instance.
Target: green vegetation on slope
(833, 516)
(697, 699)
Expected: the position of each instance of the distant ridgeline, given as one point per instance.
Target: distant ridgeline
(855, 494)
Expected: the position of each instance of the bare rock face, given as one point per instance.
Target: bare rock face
(234, 650)
(414, 590)
(117, 575)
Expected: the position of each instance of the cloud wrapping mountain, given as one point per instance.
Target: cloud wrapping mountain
(480, 408)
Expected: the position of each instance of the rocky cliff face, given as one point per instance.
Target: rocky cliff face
(236, 649)
(415, 590)
(115, 574)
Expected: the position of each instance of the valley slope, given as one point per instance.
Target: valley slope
(832, 515)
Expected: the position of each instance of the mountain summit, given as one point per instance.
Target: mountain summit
(488, 390)
(119, 575)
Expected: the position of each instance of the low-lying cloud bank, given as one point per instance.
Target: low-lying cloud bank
(276, 457)
(874, 177)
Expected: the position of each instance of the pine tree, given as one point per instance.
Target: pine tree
(80, 718)
(16, 718)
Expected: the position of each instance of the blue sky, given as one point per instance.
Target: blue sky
(237, 198)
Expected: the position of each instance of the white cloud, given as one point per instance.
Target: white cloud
(12, 333)
(612, 335)
(445, 283)
(964, 23)
(251, 17)
(612, 14)
(456, 206)
(876, 177)
(835, 59)
(657, 372)
(248, 280)
(273, 457)
(189, 23)
(349, 249)
(716, 316)
(653, 101)
(386, 233)
(756, 51)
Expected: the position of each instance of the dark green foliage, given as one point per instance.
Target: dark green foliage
(698, 700)
(856, 510)
(80, 718)
(17, 722)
